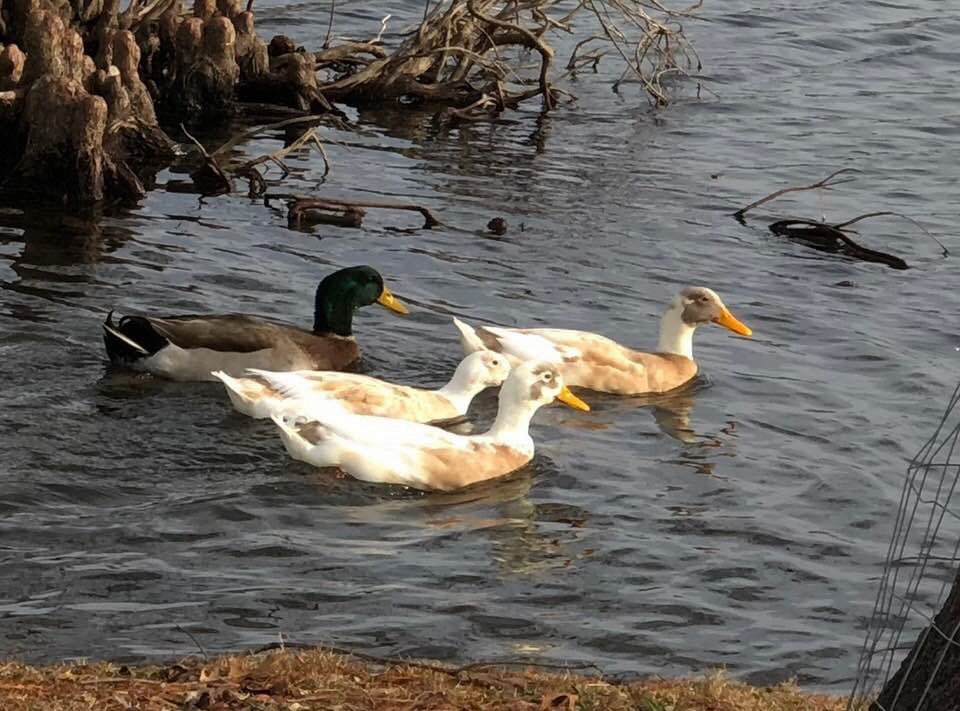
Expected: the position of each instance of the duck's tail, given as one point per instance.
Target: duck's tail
(469, 340)
(290, 385)
(299, 440)
(287, 430)
(130, 339)
(236, 392)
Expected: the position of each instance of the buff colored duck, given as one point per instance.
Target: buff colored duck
(389, 451)
(593, 361)
(190, 347)
(262, 393)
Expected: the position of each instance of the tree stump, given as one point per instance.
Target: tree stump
(933, 662)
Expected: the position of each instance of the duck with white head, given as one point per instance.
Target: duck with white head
(390, 451)
(263, 393)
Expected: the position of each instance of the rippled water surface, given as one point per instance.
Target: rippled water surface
(741, 523)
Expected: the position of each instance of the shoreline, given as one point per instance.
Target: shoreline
(308, 678)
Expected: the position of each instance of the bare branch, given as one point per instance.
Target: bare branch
(826, 183)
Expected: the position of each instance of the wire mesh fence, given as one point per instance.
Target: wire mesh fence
(914, 594)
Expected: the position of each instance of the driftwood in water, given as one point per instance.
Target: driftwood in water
(831, 237)
(303, 212)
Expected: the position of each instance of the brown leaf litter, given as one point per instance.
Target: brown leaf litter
(314, 679)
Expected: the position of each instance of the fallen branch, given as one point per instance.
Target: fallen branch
(945, 251)
(208, 177)
(308, 137)
(305, 212)
(256, 131)
(830, 238)
(300, 209)
(826, 184)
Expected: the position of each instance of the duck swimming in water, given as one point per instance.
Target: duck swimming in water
(190, 347)
(599, 363)
(388, 451)
(263, 393)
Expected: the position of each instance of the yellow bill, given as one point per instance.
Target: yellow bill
(571, 400)
(391, 302)
(728, 320)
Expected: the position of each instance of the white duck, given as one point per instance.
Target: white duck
(593, 361)
(264, 393)
(389, 451)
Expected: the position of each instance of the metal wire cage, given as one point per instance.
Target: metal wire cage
(921, 564)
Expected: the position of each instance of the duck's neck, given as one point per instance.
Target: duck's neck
(333, 313)
(513, 418)
(460, 391)
(676, 336)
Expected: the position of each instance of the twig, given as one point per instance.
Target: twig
(189, 634)
(383, 28)
(209, 177)
(308, 136)
(203, 151)
(245, 135)
(826, 183)
(333, 8)
(946, 252)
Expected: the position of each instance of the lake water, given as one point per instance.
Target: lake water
(741, 523)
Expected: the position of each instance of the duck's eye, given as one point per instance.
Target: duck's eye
(547, 377)
(494, 362)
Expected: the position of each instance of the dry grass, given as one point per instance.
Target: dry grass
(306, 679)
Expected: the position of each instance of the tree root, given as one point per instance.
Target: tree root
(84, 84)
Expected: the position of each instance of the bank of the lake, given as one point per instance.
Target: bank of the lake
(305, 679)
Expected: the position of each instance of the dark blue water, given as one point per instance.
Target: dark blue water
(739, 524)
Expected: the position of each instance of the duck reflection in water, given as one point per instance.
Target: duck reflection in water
(526, 538)
(671, 411)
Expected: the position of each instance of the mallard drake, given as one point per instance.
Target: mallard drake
(190, 347)
(593, 361)
(388, 451)
(263, 393)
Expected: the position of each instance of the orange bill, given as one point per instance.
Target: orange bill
(571, 400)
(391, 302)
(728, 320)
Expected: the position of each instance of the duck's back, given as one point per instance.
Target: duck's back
(190, 347)
(362, 395)
(608, 366)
